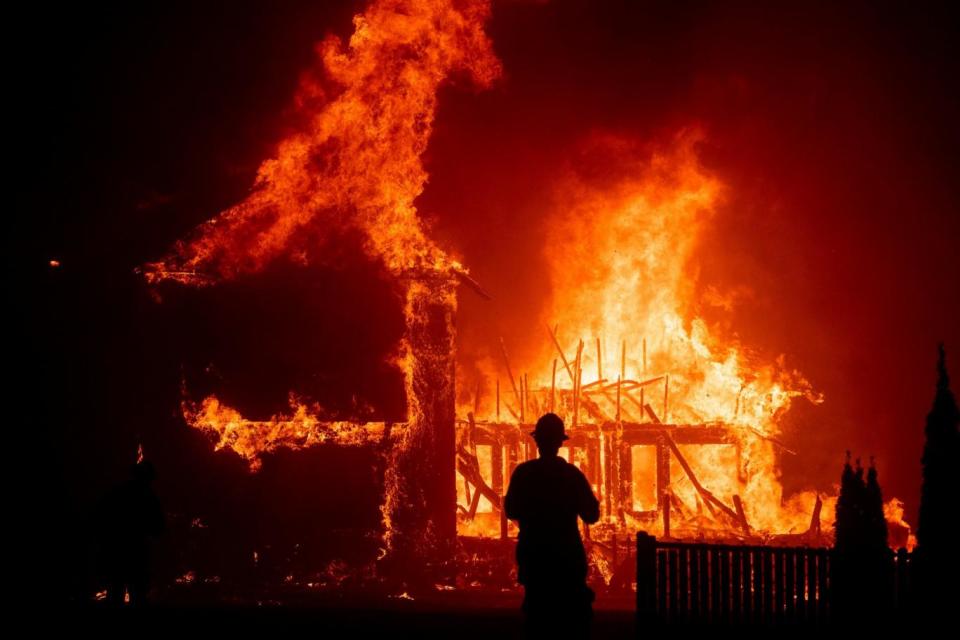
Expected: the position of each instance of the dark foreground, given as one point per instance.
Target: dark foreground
(493, 618)
(448, 615)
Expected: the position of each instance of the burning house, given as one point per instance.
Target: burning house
(676, 428)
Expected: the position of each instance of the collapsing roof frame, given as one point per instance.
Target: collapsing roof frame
(610, 472)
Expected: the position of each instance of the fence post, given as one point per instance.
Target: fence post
(646, 577)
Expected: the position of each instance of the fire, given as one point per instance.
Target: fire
(358, 162)
(299, 428)
(622, 237)
(621, 242)
(623, 271)
(369, 109)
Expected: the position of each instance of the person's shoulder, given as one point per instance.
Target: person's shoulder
(525, 467)
(573, 470)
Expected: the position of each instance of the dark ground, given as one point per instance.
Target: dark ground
(449, 615)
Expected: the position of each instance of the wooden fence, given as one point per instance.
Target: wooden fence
(732, 584)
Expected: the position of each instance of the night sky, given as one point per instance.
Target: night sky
(834, 128)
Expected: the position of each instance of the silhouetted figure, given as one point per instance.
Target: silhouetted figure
(130, 515)
(545, 497)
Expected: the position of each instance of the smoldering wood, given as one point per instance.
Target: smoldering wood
(563, 356)
(523, 414)
(473, 284)
(496, 462)
(629, 384)
(651, 413)
(665, 511)
(707, 495)
(608, 470)
(612, 474)
(469, 467)
(741, 515)
(474, 505)
(633, 433)
(815, 517)
(679, 505)
(769, 438)
(626, 479)
(553, 385)
(593, 387)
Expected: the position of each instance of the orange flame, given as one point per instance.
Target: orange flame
(624, 271)
(621, 242)
(357, 164)
(300, 428)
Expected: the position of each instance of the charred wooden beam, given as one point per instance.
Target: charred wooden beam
(741, 515)
(663, 465)
(421, 465)
(665, 513)
(651, 413)
(815, 518)
(563, 356)
(496, 475)
(474, 504)
(626, 480)
(469, 468)
(707, 495)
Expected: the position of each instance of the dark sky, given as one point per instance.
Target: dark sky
(835, 129)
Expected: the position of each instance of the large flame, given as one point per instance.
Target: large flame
(357, 165)
(621, 239)
(620, 245)
(358, 161)
(621, 266)
(620, 258)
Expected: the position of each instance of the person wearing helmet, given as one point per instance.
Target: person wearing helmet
(545, 497)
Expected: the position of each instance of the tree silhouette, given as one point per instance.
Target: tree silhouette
(875, 523)
(937, 561)
(936, 534)
(862, 562)
(846, 524)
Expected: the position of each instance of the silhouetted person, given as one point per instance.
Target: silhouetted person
(129, 516)
(545, 497)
